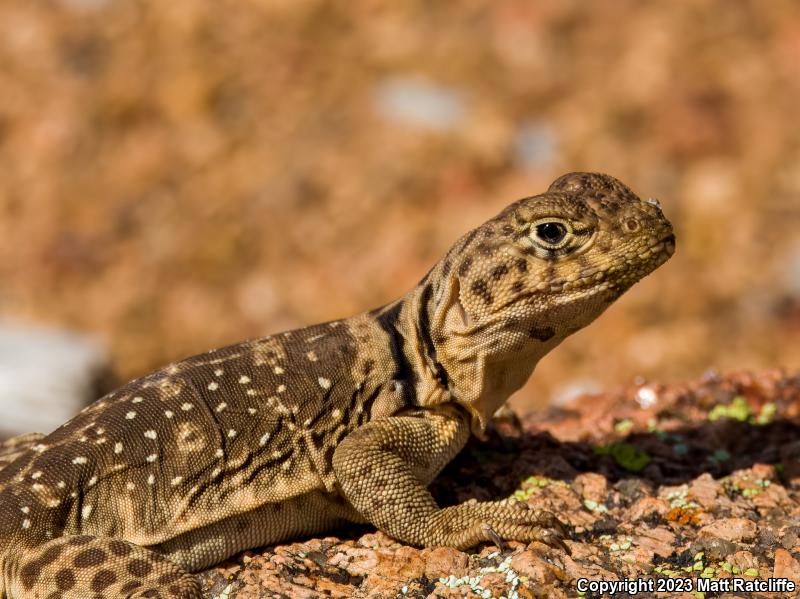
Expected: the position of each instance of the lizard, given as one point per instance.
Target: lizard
(343, 422)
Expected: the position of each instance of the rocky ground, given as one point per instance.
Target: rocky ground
(663, 482)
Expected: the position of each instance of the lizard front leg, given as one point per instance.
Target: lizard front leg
(384, 467)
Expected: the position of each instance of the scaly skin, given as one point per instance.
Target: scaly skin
(348, 421)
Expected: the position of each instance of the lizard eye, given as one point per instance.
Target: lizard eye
(551, 232)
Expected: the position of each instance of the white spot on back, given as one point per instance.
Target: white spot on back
(130, 486)
(186, 407)
(312, 357)
(26, 523)
(278, 370)
(222, 406)
(61, 484)
(219, 372)
(152, 457)
(231, 433)
(151, 479)
(137, 399)
(169, 413)
(251, 410)
(263, 440)
(281, 388)
(92, 481)
(213, 386)
(219, 453)
(130, 415)
(79, 460)
(244, 379)
(176, 481)
(117, 447)
(36, 474)
(324, 383)
(151, 434)
(25, 509)
(86, 511)
(252, 392)
(37, 486)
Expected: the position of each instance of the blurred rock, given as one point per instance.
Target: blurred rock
(46, 376)
(420, 103)
(536, 146)
(568, 393)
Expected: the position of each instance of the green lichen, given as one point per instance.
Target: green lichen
(624, 425)
(738, 409)
(531, 486)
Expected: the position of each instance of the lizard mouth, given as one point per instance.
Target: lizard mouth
(669, 243)
(665, 246)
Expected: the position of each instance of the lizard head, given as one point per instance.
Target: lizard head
(543, 268)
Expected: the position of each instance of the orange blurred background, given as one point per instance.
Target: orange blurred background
(180, 175)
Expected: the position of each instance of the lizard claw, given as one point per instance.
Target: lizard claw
(554, 540)
(548, 520)
(501, 544)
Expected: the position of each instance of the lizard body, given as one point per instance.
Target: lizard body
(346, 421)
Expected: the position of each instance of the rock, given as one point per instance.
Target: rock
(356, 561)
(592, 486)
(400, 564)
(444, 561)
(538, 570)
(715, 549)
(420, 103)
(647, 507)
(705, 490)
(536, 147)
(731, 529)
(786, 566)
(46, 377)
(659, 540)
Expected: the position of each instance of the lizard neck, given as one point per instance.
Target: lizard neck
(477, 365)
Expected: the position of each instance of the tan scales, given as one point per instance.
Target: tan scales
(347, 421)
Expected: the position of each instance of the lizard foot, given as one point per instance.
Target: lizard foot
(470, 523)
